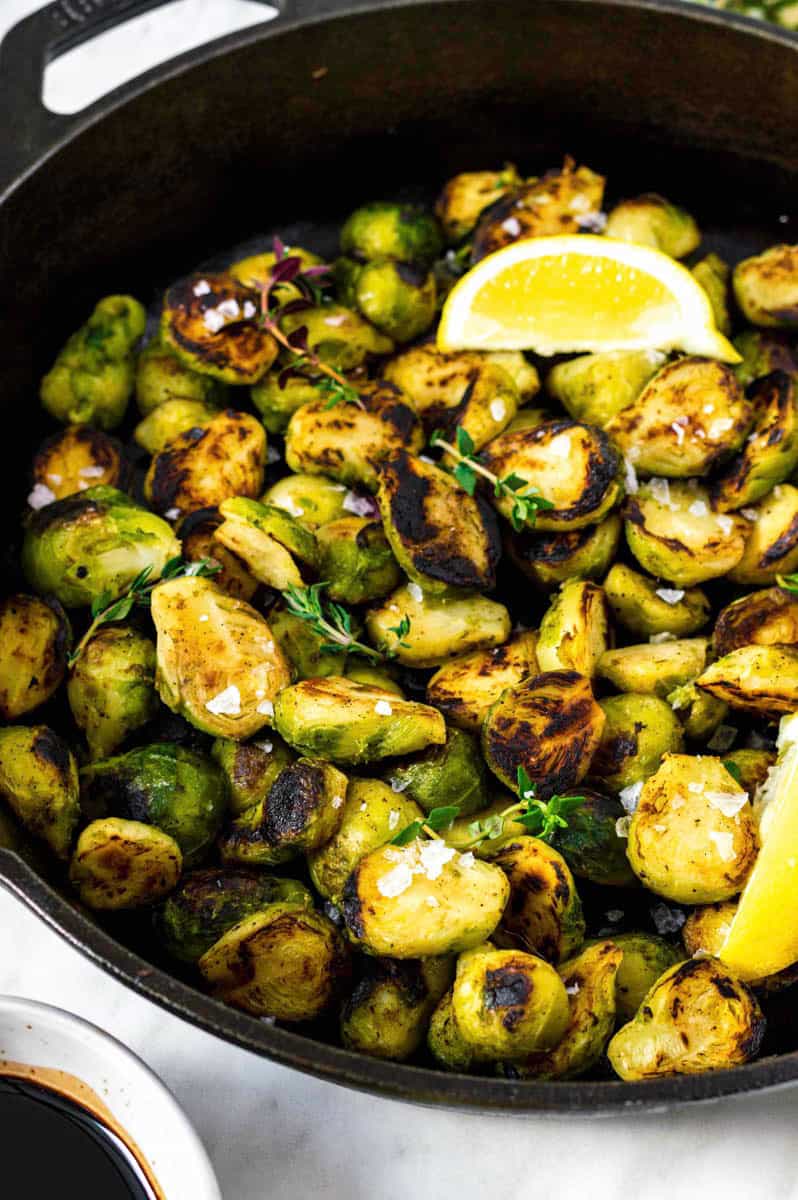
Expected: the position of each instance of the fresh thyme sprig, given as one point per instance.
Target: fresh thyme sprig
(789, 583)
(328, 619)
(733, 770)
(401, 630)
(526, 500)
(435, 820)
(105, 609)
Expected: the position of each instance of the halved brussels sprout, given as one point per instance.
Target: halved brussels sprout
(645, 958)
(92, 378)
(338, 335)
(697, 1017)
(380, 677)
(692, 838)
(673, 533)
(94, 544)
(544, 912)
(384, 229)
(356, 560)
(347, 722)
(751, 766)
(441, 536)
(124, 864)
(161, 376)
(651, 220)
(422, 899)
(464, 197)
(440, 626)
(638, 731)
(207, 903)
(349, 442)
(763, 353)
(560, 202)
(398, 298)
(714, 274)
(256, 269)
(460, 833)
(574, 466)
(39, 782)
(444, 1040)
(575, 630)
(181, 791)
(654, 669)
(314, 499)
(771, 544)
(111, 688)
(699, 713)
(35, 638)
(755, 679)
(277, 398)
(707, 927)
(75, 459)
(645, 607)
(268, 539)
(197, 534)
(301, 811)
(596, 387)
(465, 687)
(520, 731)
(203, 466)
(591, 844)
(549, 559)
(208, 321)
(770, 454)
(386, 1015)
(286, 962)
(250, 768)
(222, 674)
(169, 420)
(485, 409)
(309, 653)
(766, 287)
(453, 773)
(763, 618)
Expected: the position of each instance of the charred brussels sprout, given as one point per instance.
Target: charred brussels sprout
(699, 713)
(770, 454)
(465, 687)
(638, 731)
(309, 654)
(460, 833)
(111, 689)
(78, 458)
(124, 864)
(35, 638)
(575, 630)
(394, 231)
(209, 323)
(673, 533)
(486, 407)
(440, 626)
(697, 1017)
(452, 773)
(544, 912)
(94, 544)
(646, 607)
(39, 782)
(286, 962)
(398, 298)
(250, 768)
(197, 534)
(763, 353)
(596, 387)
(169, 420)
(161, 376)
(277, 398)
(651, 220)
(445, 1042)
(93, 376)
(654, 669)
(338, 336)
(465, 196)
(255, 270)
(707, 927)
(378, 677)
(549, 559)
(268, 539)
(763, 618)
(386, 1015)
(766, 287)
(752, 766)
(591, 844)
(771, 543)
(314, 499)
(356, 560)
(645, 958)
(714, 274)
(755, 679)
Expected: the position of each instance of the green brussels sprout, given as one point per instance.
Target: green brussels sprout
(523, 373)
(766, 287)
(544, 912)
(124, 864)
(656, 669)
(638, 730)
(763, 353)
(362, 671)
(256, 269)
(250, 768)
(673, 533)
(398, 298)
(300, 812)
(529, 418)
(181, 791)
(35, 638)
(707, 928)
(388, 230)
(169, 420)
(591, 844)
(309, 653)
(208, 322)
(752, 767)
(692, 838)
(519, 731)
(549, 559)
(422, 899)
(340, 337)
(466, 686)
(356, 560)
(645, 958)
(92, 378)
(386, 1015)
(442, 537)
(699, 713)
(285, 961)
(217, 662)
(161, 376)
(197, 535)
(314, 499)
(714, 274)
(762, 618)
(687, 419)
(39, 782)
(464, 197)
(207, 903)
(485, 409)
(111, 688)
(445, 1042)
(651, 220)
(93, 545)
(439, 626)
(347, 722)
(596, 387)
(460, 833)
(277, 398)
(575, 630)
(268, 539)
(755, 679)
(770, 454)
(452, 773)
(74, 459)
(771, 544)
(697, 1017)
(645, 607)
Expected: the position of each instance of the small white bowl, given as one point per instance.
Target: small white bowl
(41, 1036)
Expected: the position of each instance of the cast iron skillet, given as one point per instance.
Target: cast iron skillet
(332, 103)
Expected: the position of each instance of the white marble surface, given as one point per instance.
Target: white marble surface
(276, 1135)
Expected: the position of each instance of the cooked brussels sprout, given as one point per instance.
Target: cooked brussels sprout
(277, 398)
(35, 638)
(380, 677)
(645, 958)
(197, 534)
(519, 731)
(697, 1017)
(651, 220)
(561, 202)
(575, 630)
(301, 811)
(444, 1040)
(386, 1015)
(356, 560)
(460, 833)
(169, 420)
(766, 287)
(699, 713)
(441, 536)
(714, 274)
(763, 353)
(39, 782)
(549, 559)
(208, 322)
(706, 928)
(124, 864)
(639, 729)
(398, 298)
(92, 545)
(756, 679)
(596, 387)
(309, 653)
(338, 335)
(692, 838)
(75, 459)
(673, 533)
(286, 962)
(591, 844)
(161, 376)
(763, 618)
(465, 687)
(387, 230)
(581, 494)
(645, 607)
(316, 500)
(92, 378)
(250, 768)
(751, 766)
(771, 544)
(207, 903)
(204, 466)
(422, 899)
(465, 196)
(181, 791)
(440, 626)
(654, 669)
(452, 773)
(347, 722)
(111, 688)
(222, 674)
(268, 539)
(689, 417)
(256, 269)
(544, 912)
(349, 442)
(485, 409)
(770, 454)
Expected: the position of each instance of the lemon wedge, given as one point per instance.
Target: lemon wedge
(557, 295)
(763, 935)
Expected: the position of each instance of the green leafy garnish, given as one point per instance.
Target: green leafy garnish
(733, 770)
(435, 820)
(401, 630)
(329, 620)
(789, 583)
(526, 500)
